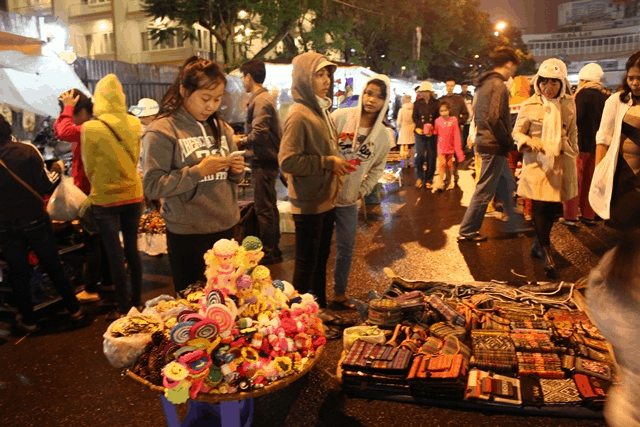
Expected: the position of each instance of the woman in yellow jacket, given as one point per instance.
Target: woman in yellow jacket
(110, 152)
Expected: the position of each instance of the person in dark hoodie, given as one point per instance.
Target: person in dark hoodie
(263, 135)
(493, 142)
(363, 140)
(309, 159)
(189, 165)
(25, 225)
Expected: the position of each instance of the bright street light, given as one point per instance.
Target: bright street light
(496, 34)
(501, 25)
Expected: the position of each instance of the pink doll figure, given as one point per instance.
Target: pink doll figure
(243, 285)
(221, 270)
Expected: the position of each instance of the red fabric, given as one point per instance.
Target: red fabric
(585, 164)
(65, 130)
(448, 132)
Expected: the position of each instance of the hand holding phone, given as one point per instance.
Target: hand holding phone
(238, 153)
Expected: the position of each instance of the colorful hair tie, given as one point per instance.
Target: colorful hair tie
(180, 333)
(206, 328)
(214, 296)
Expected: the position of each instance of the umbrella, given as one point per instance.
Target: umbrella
(34, 83)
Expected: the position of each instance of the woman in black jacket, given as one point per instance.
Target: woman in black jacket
(25, 225)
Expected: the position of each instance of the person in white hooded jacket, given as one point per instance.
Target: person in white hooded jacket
(363, 141)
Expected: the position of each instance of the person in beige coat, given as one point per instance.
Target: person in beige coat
(406, 126)
(546, 134)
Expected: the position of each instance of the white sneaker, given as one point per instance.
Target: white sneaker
(85, 296)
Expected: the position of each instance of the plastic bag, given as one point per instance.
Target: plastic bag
(124, 351)
(65, 200)
(165, 313)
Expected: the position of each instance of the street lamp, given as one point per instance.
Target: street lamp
(402, 68)
(501, 25)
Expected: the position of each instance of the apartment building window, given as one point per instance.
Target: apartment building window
(199, 34)
(600, 42)
(172, 42)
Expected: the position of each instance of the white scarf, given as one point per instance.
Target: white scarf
(551, 132)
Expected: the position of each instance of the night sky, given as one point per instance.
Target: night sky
(534, 17)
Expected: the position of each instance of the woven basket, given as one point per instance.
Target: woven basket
(217, 398)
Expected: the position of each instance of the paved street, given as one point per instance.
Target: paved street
(59, 377)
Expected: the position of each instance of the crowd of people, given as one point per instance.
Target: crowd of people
(580, 156)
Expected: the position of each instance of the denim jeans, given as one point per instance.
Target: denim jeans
(111, 221)
(17, 237)
(313, 244)
(421, 154)
(265, 204)
(495, 176)
(346, 223)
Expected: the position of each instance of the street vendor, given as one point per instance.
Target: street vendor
(189, 164)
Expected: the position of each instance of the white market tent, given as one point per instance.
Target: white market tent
(33, 83)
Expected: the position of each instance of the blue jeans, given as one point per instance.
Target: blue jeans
(19, 236)
(111, 221)
(313, 244)
(495, 176)
(426, 151)
(346, 223)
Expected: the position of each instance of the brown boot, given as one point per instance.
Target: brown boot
(547, 262)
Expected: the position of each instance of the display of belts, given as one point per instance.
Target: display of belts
(509, 346)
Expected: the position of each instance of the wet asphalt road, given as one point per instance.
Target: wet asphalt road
(59, 377)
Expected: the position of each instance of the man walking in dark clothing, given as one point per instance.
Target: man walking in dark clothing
(263, 133)
(425, 111)
(493, 143)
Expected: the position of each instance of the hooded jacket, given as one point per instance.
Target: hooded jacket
(308, 141)
(193, 204)
(589, 107)
(263, 129)
(110, 161)
(370, 154)
(561, 182)
(491, 115)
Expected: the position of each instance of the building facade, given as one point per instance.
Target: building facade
(602, 31)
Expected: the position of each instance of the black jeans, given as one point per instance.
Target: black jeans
(186, 255)
(16, 239)
(313, 244)
(96, 267)
(544, 215)
(432, 157)
(266, 206)
(111, 221)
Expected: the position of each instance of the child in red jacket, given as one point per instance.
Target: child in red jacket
(448, 131)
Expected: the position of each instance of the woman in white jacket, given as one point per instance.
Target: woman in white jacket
(615, 187)
(406, 126)
(365, 142)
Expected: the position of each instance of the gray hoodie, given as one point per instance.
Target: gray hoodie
(193, 204)
(371, 154)
(307, 143)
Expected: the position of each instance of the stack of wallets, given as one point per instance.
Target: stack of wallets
(541, 365)
(385, 312)
(372, 366)
(439, 376)
(485, 386)
(493, 351)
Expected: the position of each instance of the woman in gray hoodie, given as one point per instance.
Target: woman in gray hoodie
(309, 159)
(188, 164)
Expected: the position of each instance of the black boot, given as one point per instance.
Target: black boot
(547, 262)
(536, 250)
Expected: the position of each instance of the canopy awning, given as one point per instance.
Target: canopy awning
(26, 45)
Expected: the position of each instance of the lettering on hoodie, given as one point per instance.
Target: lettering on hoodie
(201, 148)
(363, 151)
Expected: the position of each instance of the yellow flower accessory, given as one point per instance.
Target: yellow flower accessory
(250, 354)
(283, 364)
